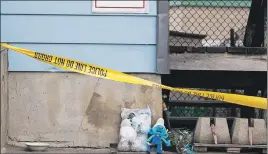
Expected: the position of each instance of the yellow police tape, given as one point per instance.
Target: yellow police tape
(93, 70)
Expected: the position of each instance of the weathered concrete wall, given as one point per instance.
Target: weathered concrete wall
(70, 109)
(3, 95)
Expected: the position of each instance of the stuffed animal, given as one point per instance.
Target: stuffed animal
(141, 124)
(139, 145)
(127, 136)
(158, 134)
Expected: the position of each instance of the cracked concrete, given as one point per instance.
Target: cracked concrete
(73, 109)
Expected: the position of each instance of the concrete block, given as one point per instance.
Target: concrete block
(79, 110)
(203, 131)
(222, 131)
(240, 131)
(258, 131)
(4, 95)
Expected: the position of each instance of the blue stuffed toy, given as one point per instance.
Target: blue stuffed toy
(158, 134)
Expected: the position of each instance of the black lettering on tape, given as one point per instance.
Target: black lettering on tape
(59, 61)
(209, 96)
(97, 71)
(101, 72)
(214, 96)
(43, 57)
(84, 67)
(70, 64)
(89, 69)
(104, 73)
(80, 66)
(202, 94)
(198, 94)
(93, 70)
(220, 97)
(46, 58)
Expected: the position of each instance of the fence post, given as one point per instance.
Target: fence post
(3, 96)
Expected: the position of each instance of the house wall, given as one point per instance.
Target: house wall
(123, 42)
(68, 109)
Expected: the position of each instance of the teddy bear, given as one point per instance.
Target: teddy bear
(127, 136)
(134, 138)
(141, 124)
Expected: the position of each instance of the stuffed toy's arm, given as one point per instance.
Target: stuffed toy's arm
(167, 142)
(150, 138)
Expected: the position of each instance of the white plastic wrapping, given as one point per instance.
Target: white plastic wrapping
(134, 128)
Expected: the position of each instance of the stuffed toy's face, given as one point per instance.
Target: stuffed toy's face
(160, 130)
(131, 116)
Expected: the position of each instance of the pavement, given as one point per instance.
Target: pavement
(21, 150)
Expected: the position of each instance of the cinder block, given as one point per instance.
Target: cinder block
(203, 131)
(240, 131)
(258, 131)
(222, 131)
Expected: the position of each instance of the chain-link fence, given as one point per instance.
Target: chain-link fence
(195, 105)
(215, 23)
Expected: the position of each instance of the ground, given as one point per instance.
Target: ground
(12, 149)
